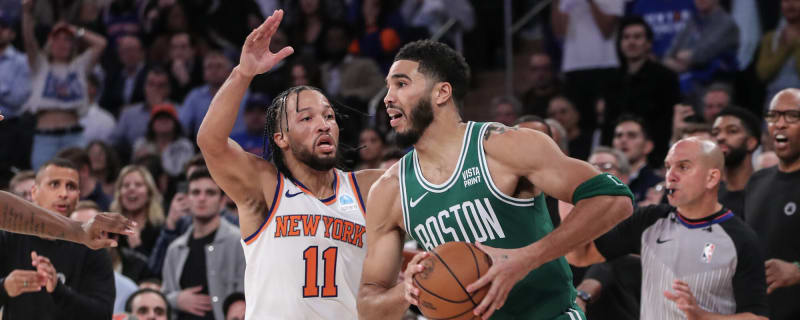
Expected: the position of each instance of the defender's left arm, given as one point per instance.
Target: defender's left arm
(601, 201)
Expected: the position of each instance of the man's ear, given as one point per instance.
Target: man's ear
(714, 177)
(752, 144)
(280, 139)
(443, 91)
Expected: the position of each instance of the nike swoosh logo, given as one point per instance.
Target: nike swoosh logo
(659, 241)
(289, 195)
(415, 202)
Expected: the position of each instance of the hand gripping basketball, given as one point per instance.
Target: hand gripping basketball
(441, 285)
(413, 267)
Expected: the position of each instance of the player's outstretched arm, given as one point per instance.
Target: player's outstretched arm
(380, 295)
(243, 176)
(537, 158)
(20, 216)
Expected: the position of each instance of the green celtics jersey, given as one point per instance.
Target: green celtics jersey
(469, 207)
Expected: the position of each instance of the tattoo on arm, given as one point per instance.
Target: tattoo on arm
(497, 128)
(27, 222)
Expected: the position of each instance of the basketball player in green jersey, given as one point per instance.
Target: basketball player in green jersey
(482, 183)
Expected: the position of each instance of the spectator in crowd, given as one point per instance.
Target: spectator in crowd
(390, 156)
(310, 20)
(59, 95)
(632, 138)
(91, 189)
(97, 123)
(371, 144)
(347, 77)
(666, 17)
(534, 122)
(252, 138)
(15, 87)
(777, 65)
(765, 160)
(205, 264)
(589, 31)
(558, 134)
(379, 33)
(137, 198)
(216, 68)
(148, 304)
(544, 84)
(737, 133)
(698, 261)
(49, 13)
(578, 138)
(151, 283)
(718, 96)
(706, 46)
(165, 134)
(612, 161)
(22, 183)
(133, 120)
(104, 164)
(771, 203)
(505, 109)
(432, 15)
(305, 72)
(70, 281)
(125, 85)
(234, 306)
(185, 65)
(124, 286)
(641, 86)
(694, 129)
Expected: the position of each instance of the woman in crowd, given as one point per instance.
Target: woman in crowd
(138, 199)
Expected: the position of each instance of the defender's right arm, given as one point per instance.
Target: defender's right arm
(381, 296)
(245, 177)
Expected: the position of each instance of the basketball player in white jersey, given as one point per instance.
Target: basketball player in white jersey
(302, 221)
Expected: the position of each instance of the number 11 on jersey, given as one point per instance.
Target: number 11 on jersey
(329, 288)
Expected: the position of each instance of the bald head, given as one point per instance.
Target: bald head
(788, 96)
(708, 153)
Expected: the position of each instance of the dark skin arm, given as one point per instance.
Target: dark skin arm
(20, 216)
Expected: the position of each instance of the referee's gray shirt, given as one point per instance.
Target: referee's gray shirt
(718, 256)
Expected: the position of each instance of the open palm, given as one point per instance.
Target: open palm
(256, 57)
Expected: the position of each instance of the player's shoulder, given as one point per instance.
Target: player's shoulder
(512, 145)
(502, 137)
(367, 177)
(388, 182)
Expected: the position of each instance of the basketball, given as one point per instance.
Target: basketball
(449, 269)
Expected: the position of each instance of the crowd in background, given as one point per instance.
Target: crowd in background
(120, 88)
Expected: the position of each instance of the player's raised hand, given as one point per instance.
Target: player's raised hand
(256, 57)
(509, 266)
(411, 291)
(95, 231)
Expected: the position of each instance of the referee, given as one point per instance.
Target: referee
(698, 259)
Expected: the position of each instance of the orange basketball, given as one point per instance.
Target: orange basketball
(449, 269)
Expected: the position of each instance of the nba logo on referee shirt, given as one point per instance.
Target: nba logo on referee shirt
(708, 251)
(347, 203)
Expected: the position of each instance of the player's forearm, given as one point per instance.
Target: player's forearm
(20, 216)
(378, 302)
(589, 219)
(222, 113)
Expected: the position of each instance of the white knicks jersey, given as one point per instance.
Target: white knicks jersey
(305, 260)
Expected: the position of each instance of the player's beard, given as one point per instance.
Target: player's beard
(305, 156)
(421, 117)
(735, 156)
